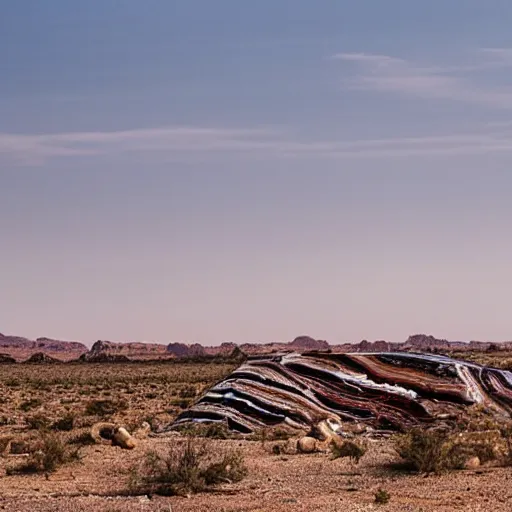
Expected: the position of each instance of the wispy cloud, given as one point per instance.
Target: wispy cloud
(35, 149)
(467, 83)
(189, 142)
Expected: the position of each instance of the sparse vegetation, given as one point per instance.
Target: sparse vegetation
(273, 434)
(38, 422)
(188, 392)
(435, 451)
(188, 467)
(33, 403)
(64, 424)
(423, 450)
(105, 407)
(382, 497)
(46, 455)
(354, 450)
(209, 430)
(82, 439)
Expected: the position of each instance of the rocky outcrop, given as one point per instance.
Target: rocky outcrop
(103, 357)
(6, 359)
(129, 351)
(422, 342)
(378, 391)
(179, 349)
(307, 343)
(41, 358)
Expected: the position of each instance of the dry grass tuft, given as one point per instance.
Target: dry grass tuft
(188, 467)
(354, 450)
(382, 497)
(46, 455)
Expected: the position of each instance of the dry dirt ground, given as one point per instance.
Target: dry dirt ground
(156, 392)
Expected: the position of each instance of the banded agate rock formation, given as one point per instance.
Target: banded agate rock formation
(384, 391)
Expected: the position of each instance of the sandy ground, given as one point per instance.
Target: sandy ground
(274, 483)
(155, 392)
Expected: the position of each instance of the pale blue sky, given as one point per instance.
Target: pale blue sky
(250, 171)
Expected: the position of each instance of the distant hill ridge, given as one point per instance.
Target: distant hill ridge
(22, 349)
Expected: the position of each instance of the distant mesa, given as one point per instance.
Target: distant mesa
(23, 349)
(182, 350)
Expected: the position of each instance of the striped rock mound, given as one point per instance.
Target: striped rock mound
(384, 391)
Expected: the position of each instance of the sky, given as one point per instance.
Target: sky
(198, 171)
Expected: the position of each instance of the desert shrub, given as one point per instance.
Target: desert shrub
(33, 403)
(19, 446)
(105, 407)
(65, 424)
(47, 454)
(434, 451)
(188, 392)
(188, 467)
(83, 439)
(423, 450)
(382, 497)
(351, 449)
(217, 430)
(182, 403)
(273, 434)
(506, 435)
(38, 422)
(5, 444)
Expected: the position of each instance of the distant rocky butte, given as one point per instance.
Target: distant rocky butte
(22, 349)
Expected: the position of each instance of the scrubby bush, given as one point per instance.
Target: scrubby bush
(38, 422)
(33, 403)
(188, 392)
(64, 424)
(351, 449)
(382, 497)
(83, 439)
(423, 450)
(46, 455)
(104, 407)
(189, 466)
(434, 451)
(214, 430)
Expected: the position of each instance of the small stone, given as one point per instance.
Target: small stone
(306, 444)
